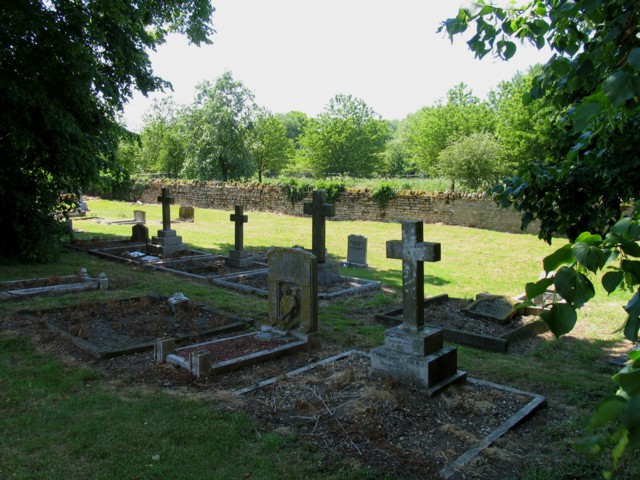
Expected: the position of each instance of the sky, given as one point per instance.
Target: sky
(298, 54)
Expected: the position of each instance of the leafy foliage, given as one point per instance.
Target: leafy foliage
(295, 189)
(383, 193)
(66, 69)
(268, 144)
(476, 161)
(593, 82)
(346, 139)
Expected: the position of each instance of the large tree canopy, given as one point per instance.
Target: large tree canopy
(66, 70)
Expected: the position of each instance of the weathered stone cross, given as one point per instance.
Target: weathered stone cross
(240, 219)
(413, 251)
(166, 199)
(319, 209)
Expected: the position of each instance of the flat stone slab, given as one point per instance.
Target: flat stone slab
(256, 283)
(106, 329)
(54, 285)
(335, 401)
(492, 307)
(449, 314)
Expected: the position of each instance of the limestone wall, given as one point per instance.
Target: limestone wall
(471, 210)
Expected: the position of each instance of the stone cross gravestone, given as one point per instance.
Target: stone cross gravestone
(166, 243)
(413, 252)
(293, 292)
(319, 209)
(357, 251)
(412, 353)
(238, 258)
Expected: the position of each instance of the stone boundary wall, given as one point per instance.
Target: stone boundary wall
(471, 210)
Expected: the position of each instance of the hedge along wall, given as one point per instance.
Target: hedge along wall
(472, 210)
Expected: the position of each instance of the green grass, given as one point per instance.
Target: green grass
(63, 422)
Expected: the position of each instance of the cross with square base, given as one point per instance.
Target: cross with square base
(413, 252)
(166, 199)
(239, 220)
(319, 209)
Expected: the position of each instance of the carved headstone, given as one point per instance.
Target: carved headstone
(492, 307)
(357, 251)
(186, 214)
(293, 292)
(139, 233)
(140, 216)
(412, 353)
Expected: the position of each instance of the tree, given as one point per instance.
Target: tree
(66, 69)
(162, 139)
(475, 161)
(294, 123)
(432, 129)
(593, 81)
(268, 144)
(523, 130)
(217, 129)
(346, 139)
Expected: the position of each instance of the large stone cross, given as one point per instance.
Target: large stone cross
(319, 209)
(166, 199)
(239, 219)
(413, 251)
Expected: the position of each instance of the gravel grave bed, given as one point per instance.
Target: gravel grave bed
(233, 347)
(259, 281)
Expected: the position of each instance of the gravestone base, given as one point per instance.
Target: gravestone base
(328, 272)
(166, 243)
(418, 358)
(238, 259)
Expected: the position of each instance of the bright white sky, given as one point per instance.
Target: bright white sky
(298, 54)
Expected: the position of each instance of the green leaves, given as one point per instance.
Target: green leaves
(561, 318)
(621, 86)
(560, 257)
(573, 286)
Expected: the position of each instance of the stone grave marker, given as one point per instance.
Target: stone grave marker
(140, 216)
(497, 308)
(186, 214)
(139, 233)
(293, 292)
(413, 353)
(319, 209)
(166, 242)
(238, 258)
(357, 251)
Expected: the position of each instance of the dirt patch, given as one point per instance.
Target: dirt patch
(127, 324)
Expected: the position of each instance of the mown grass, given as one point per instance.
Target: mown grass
(95, 430)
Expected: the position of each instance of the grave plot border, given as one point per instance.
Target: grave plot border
(365, 285)
(167, 266)
(198, 364)
(237, 323)
(81, 282)
(450, 471)
(484, 342)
